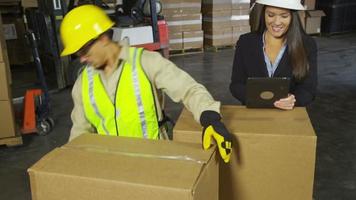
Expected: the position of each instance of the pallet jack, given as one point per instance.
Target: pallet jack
(36, 110)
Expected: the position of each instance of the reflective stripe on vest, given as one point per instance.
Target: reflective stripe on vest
(134, 107)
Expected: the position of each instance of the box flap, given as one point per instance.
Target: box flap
(315, 13)
(270, 121)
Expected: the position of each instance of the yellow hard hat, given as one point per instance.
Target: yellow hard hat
(81, 25)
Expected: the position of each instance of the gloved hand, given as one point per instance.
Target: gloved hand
(213, 127)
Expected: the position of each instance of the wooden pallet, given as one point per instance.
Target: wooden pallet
(179, 52)
(11, 141)
(218, 48)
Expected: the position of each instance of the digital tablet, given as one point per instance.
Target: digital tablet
(263, 92)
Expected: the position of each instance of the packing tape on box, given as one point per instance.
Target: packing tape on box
(100, 149)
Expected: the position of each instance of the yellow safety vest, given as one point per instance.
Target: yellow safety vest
(133, 113)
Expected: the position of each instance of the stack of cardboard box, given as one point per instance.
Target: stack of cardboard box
(184, 21)
(224, 21)
(217, 22)
(240, 18)
(14, 32)
(7, 128)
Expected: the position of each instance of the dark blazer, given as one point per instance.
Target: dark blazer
(249, 62)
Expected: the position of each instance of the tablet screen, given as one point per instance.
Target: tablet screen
(263, 92)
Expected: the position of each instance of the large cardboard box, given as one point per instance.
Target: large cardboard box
(93, 167)
(273, 153)
(313, 21)
(7, 128)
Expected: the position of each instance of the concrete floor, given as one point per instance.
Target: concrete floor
(333, 115)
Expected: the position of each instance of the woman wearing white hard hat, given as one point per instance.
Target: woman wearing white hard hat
(277, 47)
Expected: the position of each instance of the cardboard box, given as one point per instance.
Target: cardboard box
(18, 50)
(193, 39)
(136, 35)
(313, 21)
(209, 6)
(240, 17)
(239, 30)
(186, 40)
(5, 93)
(273, 153)
(190, 22)
(180, 7)
(218, 37)
(7, 128)
(309, 4)
(4, 58)
(241, 4)
(93, 167)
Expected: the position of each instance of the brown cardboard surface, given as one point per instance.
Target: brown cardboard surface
(273, 153)
(193, 39)
(239, 30)
(208, 8)
(183, 17)
(240, 11)
(184, 22)
(29, 3)
(106, 167)
(5, 93)
(313, 21)
(309, 4)
(18, 51)
(2, 41)
(7, 128)
(240, 5)
(216, 25)
(219, 13)
(180, 7)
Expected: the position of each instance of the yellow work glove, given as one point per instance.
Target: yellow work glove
(214, 128)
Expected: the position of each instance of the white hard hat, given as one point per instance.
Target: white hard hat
(288, 4)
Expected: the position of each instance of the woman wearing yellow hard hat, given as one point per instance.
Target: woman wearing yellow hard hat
(117, 92)
(277, 47)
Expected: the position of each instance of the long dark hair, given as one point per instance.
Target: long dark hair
(296, 49)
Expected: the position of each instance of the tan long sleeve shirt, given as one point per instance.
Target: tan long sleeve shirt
(163, 74)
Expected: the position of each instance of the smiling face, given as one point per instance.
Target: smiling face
(277, 21)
